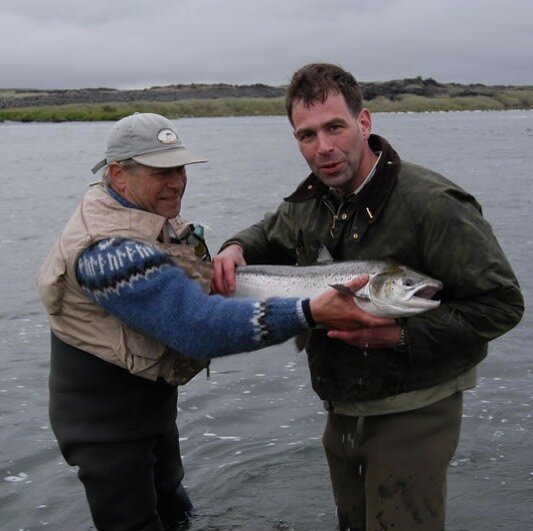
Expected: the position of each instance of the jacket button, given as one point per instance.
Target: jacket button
(344, 216)
(355, 236)
(310, 187)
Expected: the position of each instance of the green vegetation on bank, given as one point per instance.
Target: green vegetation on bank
(176, 109)
(506, 98)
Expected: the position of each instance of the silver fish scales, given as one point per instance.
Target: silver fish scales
(392, 290)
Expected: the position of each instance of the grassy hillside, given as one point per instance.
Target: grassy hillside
(175, 101)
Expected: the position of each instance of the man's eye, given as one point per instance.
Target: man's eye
(304, 136)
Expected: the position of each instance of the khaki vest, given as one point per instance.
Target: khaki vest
(78, 321)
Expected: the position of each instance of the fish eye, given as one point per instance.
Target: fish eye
(409, 282)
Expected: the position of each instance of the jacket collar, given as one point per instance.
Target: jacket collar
(373, 196)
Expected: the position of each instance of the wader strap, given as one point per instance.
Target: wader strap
(358, 435)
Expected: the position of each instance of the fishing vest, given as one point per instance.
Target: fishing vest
(78, 321)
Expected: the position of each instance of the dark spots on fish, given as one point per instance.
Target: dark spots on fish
(394, 269)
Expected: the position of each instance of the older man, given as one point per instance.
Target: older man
(394, 392)
(125, 287)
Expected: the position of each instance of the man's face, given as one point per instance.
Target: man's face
(333, 141)
(157, 190)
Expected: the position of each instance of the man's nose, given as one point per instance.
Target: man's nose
(177, 177)
(324, 143)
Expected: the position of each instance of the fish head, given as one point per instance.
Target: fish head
(398, 291)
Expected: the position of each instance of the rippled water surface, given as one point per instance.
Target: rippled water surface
(251, 435)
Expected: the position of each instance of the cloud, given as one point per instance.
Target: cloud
(140, 43)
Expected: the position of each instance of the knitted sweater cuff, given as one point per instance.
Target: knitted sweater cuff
(285, 318)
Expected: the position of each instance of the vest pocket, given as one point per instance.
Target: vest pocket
(140, 345)
(142, 354)
(149, 358)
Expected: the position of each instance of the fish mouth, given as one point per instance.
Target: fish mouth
(423, 295)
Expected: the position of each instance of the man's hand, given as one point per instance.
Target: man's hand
(224, 265)
(369, 338)
(333, 309)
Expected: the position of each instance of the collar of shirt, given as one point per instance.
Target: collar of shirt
(167, 233)
(124, 202)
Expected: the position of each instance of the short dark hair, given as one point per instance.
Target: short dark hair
(315, 81)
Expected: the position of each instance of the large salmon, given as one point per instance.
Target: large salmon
(392, 290)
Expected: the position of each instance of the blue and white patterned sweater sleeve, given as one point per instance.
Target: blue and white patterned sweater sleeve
(143, 288)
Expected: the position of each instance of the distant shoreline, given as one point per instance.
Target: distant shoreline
(203, 100)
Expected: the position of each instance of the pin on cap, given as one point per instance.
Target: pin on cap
(148, 139)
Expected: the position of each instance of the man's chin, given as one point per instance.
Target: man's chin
(170, 205)
(169, 213)
(333, 180)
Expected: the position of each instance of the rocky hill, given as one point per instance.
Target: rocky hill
(392, 90)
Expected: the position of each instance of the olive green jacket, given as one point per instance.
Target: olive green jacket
(415, 217)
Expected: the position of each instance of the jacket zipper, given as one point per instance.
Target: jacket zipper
(336, 215)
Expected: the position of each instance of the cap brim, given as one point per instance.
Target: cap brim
(169, 158)
(99, 165)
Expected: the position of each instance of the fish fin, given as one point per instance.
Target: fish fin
(343, 289)
(300, 341)
(324, 256)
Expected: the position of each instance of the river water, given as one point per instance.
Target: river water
(251, 434)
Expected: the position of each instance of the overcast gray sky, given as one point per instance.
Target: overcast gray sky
(141, 43)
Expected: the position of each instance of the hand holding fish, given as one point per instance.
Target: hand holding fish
(337, 309)
(224, 265)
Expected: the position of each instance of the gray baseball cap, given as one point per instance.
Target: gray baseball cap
(149, 139)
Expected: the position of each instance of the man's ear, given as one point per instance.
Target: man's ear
(117, 176)
(365, 123)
